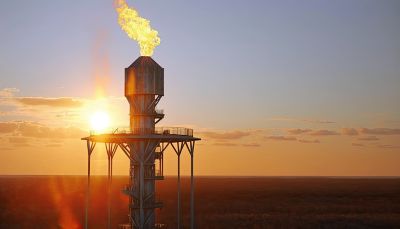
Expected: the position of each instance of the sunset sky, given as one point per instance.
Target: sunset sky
(274, 88)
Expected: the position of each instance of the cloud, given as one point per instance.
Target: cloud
(388, 146)
(226, 135)
(357, 144)
(40, 131)
(318, 121)
(281, 138)
(312, 132)
(18, 140)
(53, 145)
(251, 145)
(8, 127)
(323, 133)
(37, 130)
(349, 131)
(380, 131)
(309, 141)
(8, 92)
(314, 121)
(224, 144)
(369, 138)
(68, 115)
(51, 102)
(345, 131)
(5, 113)
(298, 131)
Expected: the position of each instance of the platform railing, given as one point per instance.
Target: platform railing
(140, 131)
(159, 111)
(150, 112)
(160, 226)
(156, 226)
(151, 174)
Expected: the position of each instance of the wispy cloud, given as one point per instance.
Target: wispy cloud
(368, 138)
(251, 145)
(8, 92)
(318, 121)
(349, 131)
(51, 102)
(309, 141)
(306, 120)
(298, 131)
(380, 131)
(53, 145)
(19, 141)
(372, 131)
(388, 146)
(281, 138)
(224, 144)
(323, 133)
(37, 130)
(8, 127)
(228, 135)
(45, 109)
(357, 144)
(312, 132)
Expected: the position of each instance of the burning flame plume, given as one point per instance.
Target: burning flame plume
(137, 28)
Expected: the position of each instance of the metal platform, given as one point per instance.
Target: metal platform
(161, 134)
(125, 138)
(155, 143)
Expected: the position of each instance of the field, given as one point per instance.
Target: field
(221, 202)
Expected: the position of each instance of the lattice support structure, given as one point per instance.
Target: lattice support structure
(144, 145)
(142, 201)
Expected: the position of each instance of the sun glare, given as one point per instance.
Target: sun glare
(99, 121)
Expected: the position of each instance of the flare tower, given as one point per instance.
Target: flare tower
(144, 144)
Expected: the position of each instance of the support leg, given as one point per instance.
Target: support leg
(111, 149)
(87, 194)
(109, 194)
(190, 147)
(90, 148)
(179, 191)
(191, 192)
(178, 151)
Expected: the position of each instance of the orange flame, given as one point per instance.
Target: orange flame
(137, 28)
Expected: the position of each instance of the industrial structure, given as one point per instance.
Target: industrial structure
(144, 144)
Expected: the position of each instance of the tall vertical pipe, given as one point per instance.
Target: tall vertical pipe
(144, 83)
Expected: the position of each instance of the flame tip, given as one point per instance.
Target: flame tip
(137, 28)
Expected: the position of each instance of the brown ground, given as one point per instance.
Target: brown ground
(58, 202)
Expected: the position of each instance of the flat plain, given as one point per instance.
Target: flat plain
(220, 202)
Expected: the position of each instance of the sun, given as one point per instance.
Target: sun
(99, 121)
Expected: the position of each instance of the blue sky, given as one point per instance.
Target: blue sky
(232, 57)
(229, 64)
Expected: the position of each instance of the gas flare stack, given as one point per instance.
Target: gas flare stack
(144, 144)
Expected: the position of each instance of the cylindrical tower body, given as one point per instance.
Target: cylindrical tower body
(144, 82)
(144, 86)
